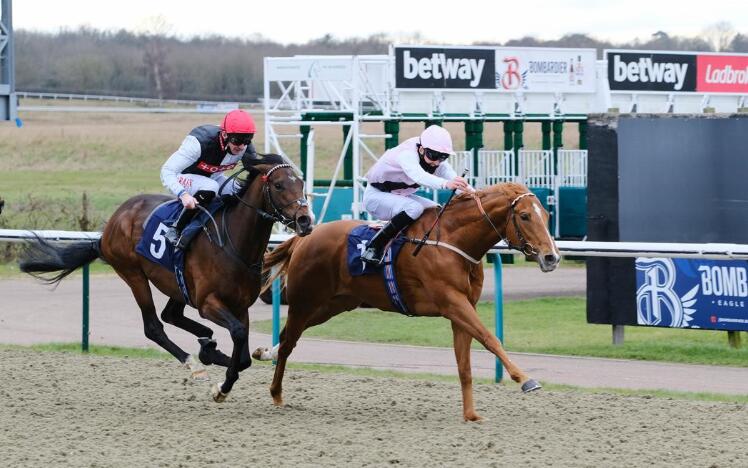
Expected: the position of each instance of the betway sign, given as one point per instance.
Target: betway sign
(432, 67)
(647, 71)
(677, 72)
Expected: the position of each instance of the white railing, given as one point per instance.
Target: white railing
(536, 168)
(716, 251)
(572, 168)
(496, 167)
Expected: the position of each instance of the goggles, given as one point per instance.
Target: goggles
(435, 155)
(239, 138)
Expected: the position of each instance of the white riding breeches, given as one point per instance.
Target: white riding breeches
(193, 183)
(385, 205)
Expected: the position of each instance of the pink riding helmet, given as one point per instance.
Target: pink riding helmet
(438, 139)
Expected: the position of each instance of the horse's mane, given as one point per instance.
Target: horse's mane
(250, 163)
(511, 189)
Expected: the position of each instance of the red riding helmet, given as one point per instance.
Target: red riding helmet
(238, 121)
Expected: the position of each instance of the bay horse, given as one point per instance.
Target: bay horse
(444, 280)
(222, 280)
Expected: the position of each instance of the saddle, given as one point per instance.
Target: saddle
(154, 246)
(358, 239)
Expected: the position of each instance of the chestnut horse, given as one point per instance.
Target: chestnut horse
(444, 280)
(222, 280)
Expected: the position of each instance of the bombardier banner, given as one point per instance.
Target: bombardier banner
(545, 70)
(502, 69)
(435, 67)
(692, 293)
(677, 72)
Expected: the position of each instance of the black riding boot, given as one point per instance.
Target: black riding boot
(174, 233)
(374, 253)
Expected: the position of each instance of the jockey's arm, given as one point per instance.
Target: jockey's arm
(411, 168)
(187, 154)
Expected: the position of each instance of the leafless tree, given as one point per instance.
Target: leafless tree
(720, 35)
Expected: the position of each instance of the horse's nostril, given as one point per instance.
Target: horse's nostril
(304, 220)
(550, 258)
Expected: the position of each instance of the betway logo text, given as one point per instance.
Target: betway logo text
(645, 71)
(726, 75)
(438, 67)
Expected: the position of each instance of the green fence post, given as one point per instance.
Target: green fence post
(348, 161)
(508, 134)
(391, 127)
(498, 297)
(583, 134)
(558, 142)
(84, 337)
(304, 147)
(545, 129)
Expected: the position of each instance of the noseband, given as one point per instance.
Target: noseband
(524, 246)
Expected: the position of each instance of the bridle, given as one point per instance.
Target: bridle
(275, 213)
(524, 246)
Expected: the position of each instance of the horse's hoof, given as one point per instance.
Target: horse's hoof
(200, 376)
(265, 354)
(217, 394)
(257, 353)
(197, 370)
(472, 417)
(530, 386)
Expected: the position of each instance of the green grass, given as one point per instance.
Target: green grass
(148, 353)
(546, 326)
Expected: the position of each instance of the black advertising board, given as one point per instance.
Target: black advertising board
(651, 71)
(445, 68)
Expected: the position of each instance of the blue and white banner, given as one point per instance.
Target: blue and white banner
(692, 293)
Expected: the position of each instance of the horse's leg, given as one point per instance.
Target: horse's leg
(461, 340)
(461, 312)
(173, 314)
(240, 358)
(153, 328)
(295, 325)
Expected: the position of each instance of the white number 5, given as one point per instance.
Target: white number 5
(158, 236)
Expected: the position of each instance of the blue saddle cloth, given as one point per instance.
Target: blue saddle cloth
(154, 246)
(358, 239)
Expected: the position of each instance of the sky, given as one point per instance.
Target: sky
(442, 22)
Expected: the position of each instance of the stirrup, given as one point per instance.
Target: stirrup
(172, 235)
(373, 257)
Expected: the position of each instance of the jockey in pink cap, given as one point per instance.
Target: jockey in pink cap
(393, 180)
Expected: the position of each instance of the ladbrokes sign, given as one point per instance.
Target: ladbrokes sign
(430, 67)
(677, 72)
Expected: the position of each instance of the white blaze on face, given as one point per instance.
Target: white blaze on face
(539, 211)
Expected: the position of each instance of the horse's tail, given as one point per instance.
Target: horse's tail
(41, 256)
(280, 255)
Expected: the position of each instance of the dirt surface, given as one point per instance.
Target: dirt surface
(65, 409)
(32, 313)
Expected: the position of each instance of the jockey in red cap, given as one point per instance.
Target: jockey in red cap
(194, 173)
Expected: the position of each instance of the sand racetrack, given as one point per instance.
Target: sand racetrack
(65, 409)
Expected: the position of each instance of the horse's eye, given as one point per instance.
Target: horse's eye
(524, 216)
(278, 186)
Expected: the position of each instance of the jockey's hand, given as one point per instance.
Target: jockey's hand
(188, 201)
(458, 183)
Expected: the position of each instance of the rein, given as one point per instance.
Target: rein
(525, 247)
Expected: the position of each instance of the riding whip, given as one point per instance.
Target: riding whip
(422, 242)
